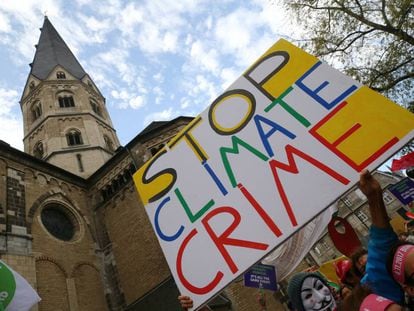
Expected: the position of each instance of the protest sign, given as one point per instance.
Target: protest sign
(261, 276)
(16, 294)
(403, 190)
(268, 155)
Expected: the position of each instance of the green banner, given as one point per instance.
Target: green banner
(7, 286)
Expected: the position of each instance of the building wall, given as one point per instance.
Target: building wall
(139, 259)
(54, 122)
(61, 271)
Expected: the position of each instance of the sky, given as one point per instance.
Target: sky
(152, 60)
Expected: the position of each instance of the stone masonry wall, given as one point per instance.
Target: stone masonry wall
(139, 259)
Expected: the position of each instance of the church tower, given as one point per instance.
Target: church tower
(66, 122)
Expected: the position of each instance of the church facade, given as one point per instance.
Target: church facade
(71, 221)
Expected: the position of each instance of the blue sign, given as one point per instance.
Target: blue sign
(261, 276)
(403, 191)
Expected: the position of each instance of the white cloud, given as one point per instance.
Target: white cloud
(128, 18)
(164, 115)
(11, 129)
(117, 59)
(121, 43)
(158, 77)
(128, 100)
(153, 40)
(205, 86)
(27, 16)
(4, 23)
(83, 2)
(228, 76)
(8, 99)
(204, 57)
(246, 33)
(124, 95)
(137, 102)
(235, 30)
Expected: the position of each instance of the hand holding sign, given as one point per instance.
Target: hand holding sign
(272, 152)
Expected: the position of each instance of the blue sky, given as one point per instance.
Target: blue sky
(152, 60)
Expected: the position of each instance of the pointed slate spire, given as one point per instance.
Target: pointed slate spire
(51, 51)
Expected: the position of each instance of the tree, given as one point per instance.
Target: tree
(370, 40)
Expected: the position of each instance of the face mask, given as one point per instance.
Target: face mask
(316, 296)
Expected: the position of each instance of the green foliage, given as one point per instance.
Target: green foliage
(370, 40)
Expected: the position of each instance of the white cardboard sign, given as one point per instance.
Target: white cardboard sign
(272, 152)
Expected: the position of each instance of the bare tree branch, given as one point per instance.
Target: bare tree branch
(389, 29)
(371, 39)
(338, 49)
(361, 11)
(384, 14)
(394, 82)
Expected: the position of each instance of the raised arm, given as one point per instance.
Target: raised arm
(373, 191)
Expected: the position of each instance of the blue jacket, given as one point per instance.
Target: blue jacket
(376, 275)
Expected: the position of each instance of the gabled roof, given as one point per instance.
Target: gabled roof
(153, 126)
(52, 51)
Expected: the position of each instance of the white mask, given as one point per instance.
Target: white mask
(316, 296)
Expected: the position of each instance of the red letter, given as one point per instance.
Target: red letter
(224, 239)
(196, 290)
(266, 218)
(292, 168)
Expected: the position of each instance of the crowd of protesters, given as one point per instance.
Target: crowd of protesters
(380, 278)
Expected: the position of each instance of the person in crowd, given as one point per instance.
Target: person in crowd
(309, 291)
(382, 238)
(345, 273)
(362, 299)
(344, 292)
(400, 265)
(378, 290)
(347, 277)
(406, 237)
(359, 261)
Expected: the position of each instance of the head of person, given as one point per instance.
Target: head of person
(345, 273)
(361, 298)
(400, 265)
(402, 236)
(344, 292)
(310, 292)
(359, 261)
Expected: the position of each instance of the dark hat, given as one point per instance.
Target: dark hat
(295, 287)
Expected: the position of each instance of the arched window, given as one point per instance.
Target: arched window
(31, 85)
(66, 101)
(60, 222)
(36, 110)
(60, 75)
(38, 151)
(108, 143)
(95, 107)
(74, 138)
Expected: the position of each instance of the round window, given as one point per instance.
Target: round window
(59, 222)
